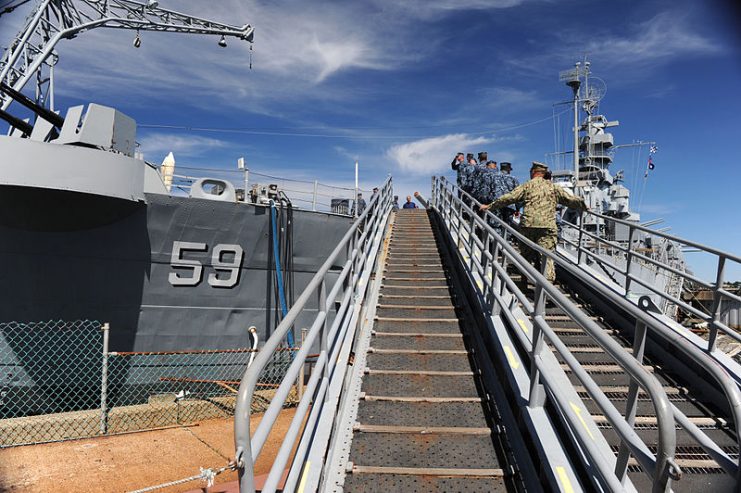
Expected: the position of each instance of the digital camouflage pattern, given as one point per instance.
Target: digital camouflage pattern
(540, 198)
(539, 218)
(465, 175)
(546, 239)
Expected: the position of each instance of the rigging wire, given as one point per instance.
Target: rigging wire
(256, 131)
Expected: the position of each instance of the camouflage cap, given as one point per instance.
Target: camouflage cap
(505, 165)
(538, 166)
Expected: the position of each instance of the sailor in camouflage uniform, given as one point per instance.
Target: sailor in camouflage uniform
(539, 218)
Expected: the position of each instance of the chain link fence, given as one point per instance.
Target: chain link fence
(58, 382)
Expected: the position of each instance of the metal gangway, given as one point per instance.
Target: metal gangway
(448, 363)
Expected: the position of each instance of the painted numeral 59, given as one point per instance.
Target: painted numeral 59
(227, 271)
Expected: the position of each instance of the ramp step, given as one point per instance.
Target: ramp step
(446, 326)
(369, 371)
(425, 361)
(384, 483)
(415, 334)
(423, 430)
(428, 471)
(389, 340)
(413, 307)
(420, 385)
(415, 283)
(415, 312)
(426, 399)
(416, 319)
(414, 413)
(417, 351)
(392, 450)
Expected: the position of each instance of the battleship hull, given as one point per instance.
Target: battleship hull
(169, 273)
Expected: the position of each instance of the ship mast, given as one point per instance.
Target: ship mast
(32, 53)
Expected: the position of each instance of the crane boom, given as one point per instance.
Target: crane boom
(32, 53)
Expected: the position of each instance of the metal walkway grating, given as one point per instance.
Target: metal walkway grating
(422, 423)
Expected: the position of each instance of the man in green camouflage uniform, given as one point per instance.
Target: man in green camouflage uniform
(538, 223)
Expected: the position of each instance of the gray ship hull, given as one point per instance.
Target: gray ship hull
(70, 256)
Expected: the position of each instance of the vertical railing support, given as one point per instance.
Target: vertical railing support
(536, 397)
(580, 247)
(301, 374)
(104, 382)
(313, 200)
(631, 405)
(629, 259)
(717, 302)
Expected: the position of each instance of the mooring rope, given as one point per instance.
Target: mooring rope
(207, 475)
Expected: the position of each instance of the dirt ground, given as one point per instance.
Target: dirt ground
(133, 461)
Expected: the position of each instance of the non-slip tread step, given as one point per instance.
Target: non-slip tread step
(423, 451)
(427, 326)
(421, 413)
(420, 385)
(412, 312)
(417, 342)
(385, 483)
(418, 362)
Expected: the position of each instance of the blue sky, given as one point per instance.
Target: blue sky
(402, 85)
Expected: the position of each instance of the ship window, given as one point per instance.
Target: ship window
(214, 187)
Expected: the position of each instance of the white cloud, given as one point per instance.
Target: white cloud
(432, 155)
(158, 145)
(666, 36)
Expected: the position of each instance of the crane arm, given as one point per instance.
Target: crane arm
(32, 53)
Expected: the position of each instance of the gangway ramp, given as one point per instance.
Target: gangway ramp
(639, 405)
(424, 422)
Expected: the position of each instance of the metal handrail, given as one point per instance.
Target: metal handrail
(645, 313)
(357, 243)
(661, 468)
(719, 294)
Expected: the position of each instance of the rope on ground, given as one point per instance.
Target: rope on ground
(207, 475)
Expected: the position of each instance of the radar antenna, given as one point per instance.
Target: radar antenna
(32, 53)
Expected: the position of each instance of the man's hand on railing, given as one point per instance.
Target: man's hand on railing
(484, 207)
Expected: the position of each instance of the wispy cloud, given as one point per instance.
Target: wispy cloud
(432, 155)
(157, 145)
(665, 37)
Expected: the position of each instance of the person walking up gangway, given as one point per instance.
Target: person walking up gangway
(538, 223)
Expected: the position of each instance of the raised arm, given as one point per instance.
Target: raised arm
(569, 200)
(512, 197)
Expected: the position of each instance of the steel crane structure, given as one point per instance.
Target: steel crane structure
(32, 54)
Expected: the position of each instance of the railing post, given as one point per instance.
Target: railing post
(536, 397)
(580, 247)
(631, 231)
(104, 382)
(313, 200)
(323, 307)
(639, 346)
(300, 383)
(717, 302)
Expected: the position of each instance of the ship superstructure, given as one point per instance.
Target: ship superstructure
(591, 177)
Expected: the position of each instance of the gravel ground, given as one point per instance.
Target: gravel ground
(127, 462)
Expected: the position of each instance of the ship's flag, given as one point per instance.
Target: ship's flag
(651, 163)
(653, 150)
